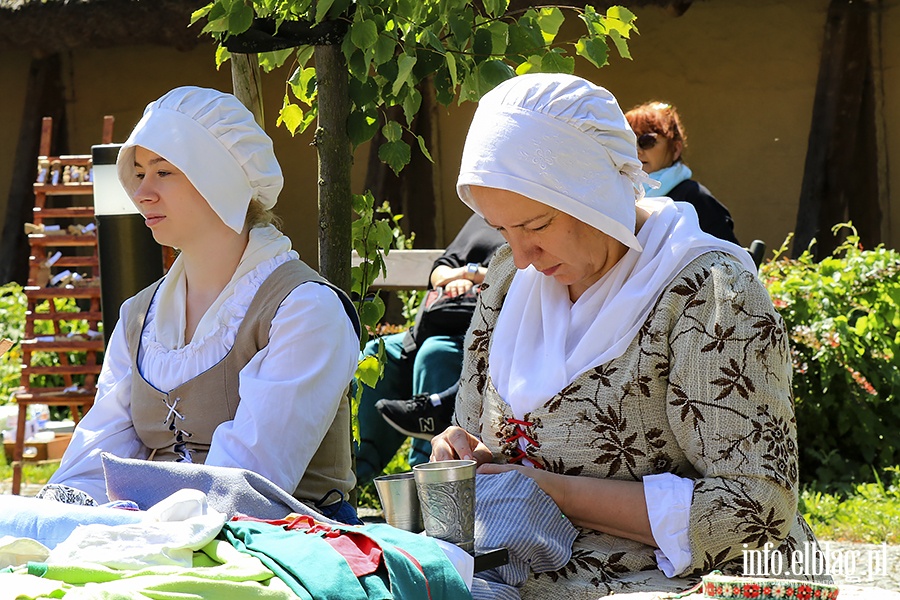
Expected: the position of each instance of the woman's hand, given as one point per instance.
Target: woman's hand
(457, 287)
(455, 442)
(456, 280)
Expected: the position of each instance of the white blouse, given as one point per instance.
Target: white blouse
(290, 390)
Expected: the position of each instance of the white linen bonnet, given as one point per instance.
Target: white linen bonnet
(562, 141)
(214, 140)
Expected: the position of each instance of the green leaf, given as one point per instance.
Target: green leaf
(424, 149)
(222, 54)
(525, 37)
(291, 116)
(322, 7)
(384, 49)
(303, 84)
(392, 131)
(492, 73)
(496, 8)
(369, 370)
(363, 34)
(428, 38)
(200, 13)
(363, 92)
(555, 62)
(593, 49)
(621, 13)
(621, 43)
(549, 20)
(483, 45)
(461, 25)
(532, 64)
(405, 66)
(451, 69)
(395, 154)
(361, 127)
(499, 37)
(371, 311)
(411, 104)
(240, 19)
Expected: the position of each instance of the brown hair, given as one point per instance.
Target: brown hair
(657, 117)
(258, 216)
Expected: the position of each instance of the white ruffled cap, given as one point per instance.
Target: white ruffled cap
(215, 141)
(562, 141)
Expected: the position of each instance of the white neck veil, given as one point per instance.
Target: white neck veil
(564, 142)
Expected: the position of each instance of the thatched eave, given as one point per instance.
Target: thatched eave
(47, 26)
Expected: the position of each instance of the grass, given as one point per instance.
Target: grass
(867, 512)
(35, 473)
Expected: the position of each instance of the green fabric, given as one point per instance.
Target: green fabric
(307, 563)
(219, 571)
(18, 584)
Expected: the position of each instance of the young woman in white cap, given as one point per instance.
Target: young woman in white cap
(241, 355)
(632, 365)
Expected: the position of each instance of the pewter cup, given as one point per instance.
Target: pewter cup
(447, 496)
(399, 501)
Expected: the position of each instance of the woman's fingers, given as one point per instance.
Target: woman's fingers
(456, 442)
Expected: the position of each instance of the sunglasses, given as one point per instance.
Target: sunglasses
(646, 141)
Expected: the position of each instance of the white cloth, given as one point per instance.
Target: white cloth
(669, 498)
(265, 244)
(168, 535)
(543, 341)
(290, 391)
(214, 140)
(562, 141)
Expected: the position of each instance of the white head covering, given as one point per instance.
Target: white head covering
(215, 141)
(564, 142)
(560, 140)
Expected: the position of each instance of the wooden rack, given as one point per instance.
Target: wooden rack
(63, 240)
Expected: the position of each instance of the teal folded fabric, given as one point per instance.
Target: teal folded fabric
(414, 567)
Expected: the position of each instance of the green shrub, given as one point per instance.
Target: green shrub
(13, 305)
(843, 318)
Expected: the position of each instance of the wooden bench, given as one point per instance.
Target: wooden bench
(406, 269)
(411, 269)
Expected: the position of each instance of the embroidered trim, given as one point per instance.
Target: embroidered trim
(719, 586)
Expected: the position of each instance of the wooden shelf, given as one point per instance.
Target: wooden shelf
(73, 256)
(62, 239)
(46, 293)
(62, 345)
(65, 189)
(66, 212)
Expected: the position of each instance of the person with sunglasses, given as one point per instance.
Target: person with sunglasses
(661, 141)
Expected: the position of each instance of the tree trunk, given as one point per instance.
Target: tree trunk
(839, 168)
(44, 97)
(335, 160)
(247, 84)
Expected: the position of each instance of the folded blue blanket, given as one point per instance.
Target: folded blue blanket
(51, 522)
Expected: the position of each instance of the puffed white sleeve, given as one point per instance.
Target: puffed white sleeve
(107, 426)
(291, 389)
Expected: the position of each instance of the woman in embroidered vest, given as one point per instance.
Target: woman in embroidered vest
(661, 141)
(628, 362)
(241, 355)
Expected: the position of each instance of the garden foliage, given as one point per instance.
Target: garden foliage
(843, 320)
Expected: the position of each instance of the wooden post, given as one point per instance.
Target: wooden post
(247, 85)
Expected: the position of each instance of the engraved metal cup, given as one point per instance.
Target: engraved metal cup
(400, 501)
(447, 497)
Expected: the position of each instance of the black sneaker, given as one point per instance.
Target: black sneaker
(417, 417)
